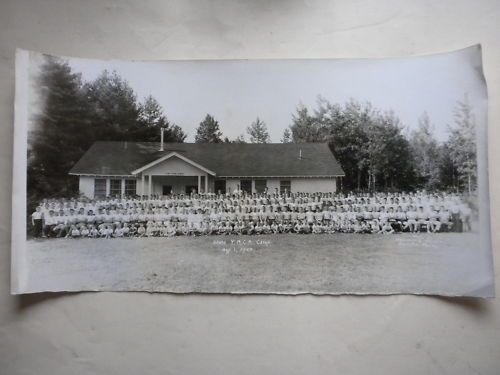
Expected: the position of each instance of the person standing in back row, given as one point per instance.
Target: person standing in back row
(37, 222)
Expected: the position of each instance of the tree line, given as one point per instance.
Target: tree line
(369, 144)
(376, 154)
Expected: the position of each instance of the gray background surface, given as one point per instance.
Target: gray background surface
(132, 333)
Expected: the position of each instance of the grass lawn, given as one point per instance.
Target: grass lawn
(445, 263)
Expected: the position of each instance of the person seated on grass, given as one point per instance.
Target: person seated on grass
(133, 230)
(258, 227)
(74, 232)
(150, 229)
(411, 222)
(194, 230)
(106, 231)
(141, 231)
(85, 231)
(61, 227)
(49, 222)
(126, 229)
(170, 230)
(392, 218)
(323, 227)
(204, 228)
(250, 228)
(185, 230)
(235, 228)
(93, 231)
(386, 228)
(434, 224)
(212, 227)
(373, 226)
(444, 220)
(304, 227)
(163, 230)
(400, 216)
(221, 229)
(316, 228)
(358, 227)
(422, 219)
(118, 231)
(266, 228)
(281, 226)
(366, 227)
(228, 227)
(287, 227)
(275, 228)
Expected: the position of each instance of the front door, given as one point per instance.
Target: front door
(167, 189)
(246, 186)
(220, 186)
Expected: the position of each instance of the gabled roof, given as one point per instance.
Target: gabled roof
(171, 155)
(225, 159)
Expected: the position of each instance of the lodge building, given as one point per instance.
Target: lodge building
(155, 168)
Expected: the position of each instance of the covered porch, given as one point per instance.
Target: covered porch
(173, 174)
(157, 185)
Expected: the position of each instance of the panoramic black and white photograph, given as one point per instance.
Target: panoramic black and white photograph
(348, 176)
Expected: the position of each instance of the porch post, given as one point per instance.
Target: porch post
(149, 186)
(199, 184)
(123, 188)
(206, 183)
(108, 186)
(143, 190)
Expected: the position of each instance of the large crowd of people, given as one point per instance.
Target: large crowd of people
(251, 214)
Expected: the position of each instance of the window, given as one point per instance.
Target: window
(220, 186)
(130, 187)
(115, 187)
(100, 187)
(246, 186)
(260, 186)
(285, 186)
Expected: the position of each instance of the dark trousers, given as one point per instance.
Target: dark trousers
(457, 225)
(47, 230)
(37, 224)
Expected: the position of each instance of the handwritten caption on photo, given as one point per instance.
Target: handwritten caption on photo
(240, 246)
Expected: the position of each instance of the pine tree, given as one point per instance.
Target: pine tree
(208, 131)
(258, 132)
(175, 133)
(152, 119)
(61, 133)
(287, 136)
(151, 113)
(114, 108)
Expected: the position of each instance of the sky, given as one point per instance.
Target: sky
(236, 92)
